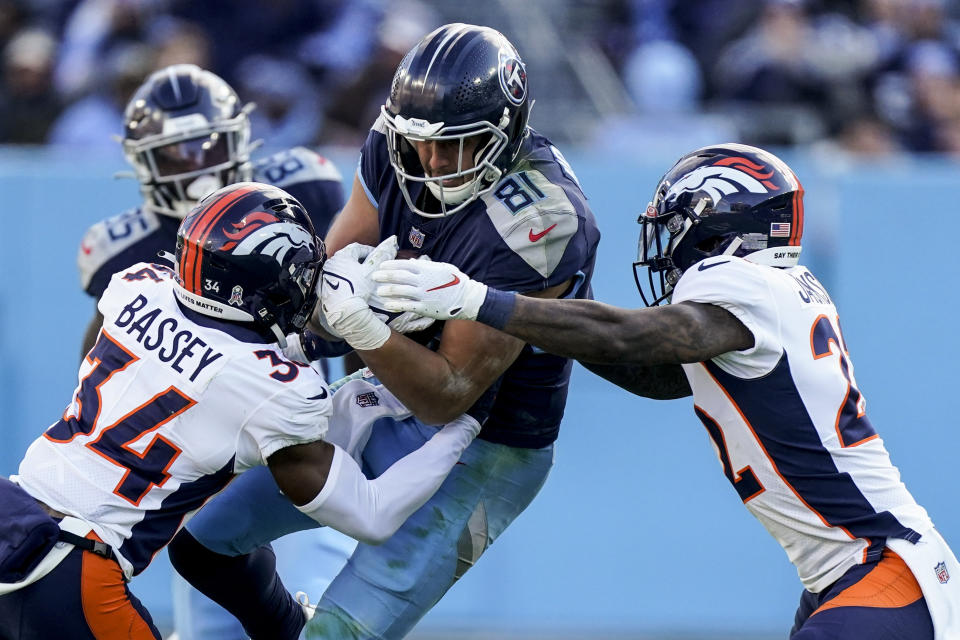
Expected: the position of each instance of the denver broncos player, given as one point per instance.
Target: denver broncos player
(185, 387)
(186, 134)
(759, 341)
(451, 169)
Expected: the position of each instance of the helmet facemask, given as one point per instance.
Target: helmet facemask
(659, 236)
(479, 173)
(190, 159)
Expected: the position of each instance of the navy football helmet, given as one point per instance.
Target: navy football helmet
(727, 199)
(248, 253)
(186, 135)
(460, 85)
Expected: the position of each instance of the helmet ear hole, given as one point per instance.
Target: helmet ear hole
(709, 245)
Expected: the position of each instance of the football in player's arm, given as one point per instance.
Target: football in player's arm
(759, 342)
(185, 387)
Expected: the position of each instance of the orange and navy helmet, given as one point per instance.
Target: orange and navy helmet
(726, 199)
(248, 253)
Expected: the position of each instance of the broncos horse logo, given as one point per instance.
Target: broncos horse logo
(265, 234)
(729, 175)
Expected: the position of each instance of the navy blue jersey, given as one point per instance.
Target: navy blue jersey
(533, 231)
(137, 235)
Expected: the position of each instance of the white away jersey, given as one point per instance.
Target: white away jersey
(168, 409)
(789, 423)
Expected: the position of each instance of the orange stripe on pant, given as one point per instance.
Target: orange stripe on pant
(106, 603)
(889, 585)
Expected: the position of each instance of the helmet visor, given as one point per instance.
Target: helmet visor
(193, 154)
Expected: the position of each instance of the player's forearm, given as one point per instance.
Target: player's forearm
(592, 331)
(421, 379)
(659, 382)
(581, 329)
(372, 510)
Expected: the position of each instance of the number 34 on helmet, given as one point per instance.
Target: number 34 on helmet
(248, 253)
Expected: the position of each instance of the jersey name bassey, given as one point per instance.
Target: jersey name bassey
(155, 330)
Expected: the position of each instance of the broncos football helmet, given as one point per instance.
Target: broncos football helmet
(727, 199)
(186, 134)
(248, 253)
(461, 85)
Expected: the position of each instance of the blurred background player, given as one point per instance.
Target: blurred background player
(759, 341)
(186, 134)
(185, 387)
(451, 169)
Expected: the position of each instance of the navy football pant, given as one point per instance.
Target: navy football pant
(84, 598)
(873, 601)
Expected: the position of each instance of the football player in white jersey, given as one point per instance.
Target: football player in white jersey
(185, 387)
(759, 342)
(186, 133)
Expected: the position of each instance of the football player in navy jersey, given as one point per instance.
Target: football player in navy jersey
(186, 134)
(453, 171)
(756, 339)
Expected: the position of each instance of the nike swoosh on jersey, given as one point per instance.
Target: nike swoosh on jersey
(319, 396)
(331, 285)
(702, 267)
(536, 236)
(456, 280)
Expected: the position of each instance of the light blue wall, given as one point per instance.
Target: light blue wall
(637, 527)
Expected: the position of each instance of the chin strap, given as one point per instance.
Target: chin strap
(281, 339)
(733, 246)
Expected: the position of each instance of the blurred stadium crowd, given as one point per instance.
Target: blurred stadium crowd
(875, 77)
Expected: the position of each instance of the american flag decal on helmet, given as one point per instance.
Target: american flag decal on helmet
(779, 229)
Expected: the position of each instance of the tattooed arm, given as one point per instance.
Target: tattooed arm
(639, 349)
(595, 332)
(659, 382)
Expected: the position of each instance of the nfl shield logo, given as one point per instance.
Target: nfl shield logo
(416, 237)
(368, 399)
(942, 574)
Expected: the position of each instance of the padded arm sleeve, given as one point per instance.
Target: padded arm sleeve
(372, 510)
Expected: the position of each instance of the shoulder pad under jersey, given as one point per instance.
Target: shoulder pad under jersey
(293, 166)
(534, 217)
(108, 238)
(379, 125)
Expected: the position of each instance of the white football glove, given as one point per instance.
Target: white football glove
(406, 322)
(434, 289)
(345, 288)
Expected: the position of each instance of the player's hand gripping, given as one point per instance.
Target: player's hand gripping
(435, 289)
(406, 322)
(346, 287)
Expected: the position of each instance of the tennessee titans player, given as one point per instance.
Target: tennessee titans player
(453, 171)
(186, 134)
(756, 339)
